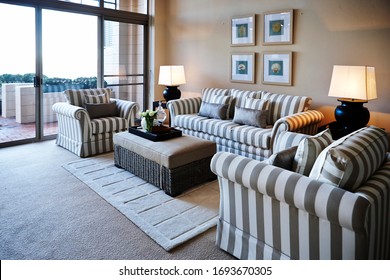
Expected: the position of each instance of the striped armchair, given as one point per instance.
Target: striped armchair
(267, 212)
(85, 134)
(284, 113)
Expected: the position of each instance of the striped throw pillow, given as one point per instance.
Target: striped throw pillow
(95, 99)
(208, 93)
(239, 98)
(282, 105)
(351, 160)
(256, 104)
(308, 151)
(77, 97)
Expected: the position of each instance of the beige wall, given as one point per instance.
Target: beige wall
(196, 33)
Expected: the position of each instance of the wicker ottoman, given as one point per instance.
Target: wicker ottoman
(173, 165)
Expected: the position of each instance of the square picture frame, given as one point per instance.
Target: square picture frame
(277, 68)
(243, 30)
(242, 67)
(278, 27)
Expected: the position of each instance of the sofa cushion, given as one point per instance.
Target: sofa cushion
(208, 93)
(223, 100)
(308, 151)
(77, 97)
(253, 117)
(351, 160)
(213, 110)
(256, 104)
(251, 136)
(239, 98)
(102, 110)
(110, 124)
(189, 121)
(220, 128)
(284, 105)
(217, 96)
(287, 139)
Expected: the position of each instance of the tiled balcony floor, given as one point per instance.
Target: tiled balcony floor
(10, 130)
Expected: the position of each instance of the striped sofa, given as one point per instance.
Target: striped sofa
(285, 113)
(85, 135)
(267, 212)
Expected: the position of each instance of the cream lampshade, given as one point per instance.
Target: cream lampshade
(354, 86)
(171, 76)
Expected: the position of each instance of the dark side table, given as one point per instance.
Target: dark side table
(336, 130)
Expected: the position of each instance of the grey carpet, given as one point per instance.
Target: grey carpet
(168, 221)
(47, 213)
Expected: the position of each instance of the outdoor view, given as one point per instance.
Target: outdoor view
(69, 61)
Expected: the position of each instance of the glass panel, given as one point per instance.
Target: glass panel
(124, 60)
(69, 59)
(136, 6)
(17, 71)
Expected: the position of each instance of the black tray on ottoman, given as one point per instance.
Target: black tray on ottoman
(159, 133)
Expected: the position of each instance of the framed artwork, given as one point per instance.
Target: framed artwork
(242, 67)
(277, 68)
(243, 31)
(278, 28)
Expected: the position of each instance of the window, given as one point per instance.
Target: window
(135, 6)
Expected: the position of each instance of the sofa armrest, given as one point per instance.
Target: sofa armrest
(299, 121)
(322, 200)
(183, 106)
(73, 121)
(127, 110)
(303, 122)
(70, 111)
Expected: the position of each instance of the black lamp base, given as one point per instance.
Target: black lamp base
(171, 92)
(351, 114)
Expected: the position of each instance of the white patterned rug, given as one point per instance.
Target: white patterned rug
(168, 221)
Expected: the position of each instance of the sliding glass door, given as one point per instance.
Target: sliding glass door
(69, 59)
(50, 46)
(17, 72)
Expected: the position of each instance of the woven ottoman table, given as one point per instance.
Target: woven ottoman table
(173, 165)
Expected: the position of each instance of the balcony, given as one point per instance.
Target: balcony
(17, 120)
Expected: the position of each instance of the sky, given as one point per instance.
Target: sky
(69, 42)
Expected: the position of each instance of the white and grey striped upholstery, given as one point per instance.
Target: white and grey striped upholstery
(84, 136)
(351, 160)
(308, 151)
(76, 97)
(282, 105)
(287, 139)
(239, 98)
(270, 213)
(251, 141)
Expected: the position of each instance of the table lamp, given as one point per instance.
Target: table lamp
(354, 86)
(171, 76)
